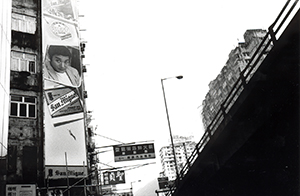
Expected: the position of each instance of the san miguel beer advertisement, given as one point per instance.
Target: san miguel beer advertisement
(63, 99)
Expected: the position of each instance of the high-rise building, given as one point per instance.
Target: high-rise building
(48, 145)
(184, 147)
(221, 86)
(5, 40)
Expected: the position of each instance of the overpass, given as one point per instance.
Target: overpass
(252, 145)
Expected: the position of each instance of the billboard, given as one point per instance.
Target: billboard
(62, 90)
(134, 152)
(56, 172)
(114, 177)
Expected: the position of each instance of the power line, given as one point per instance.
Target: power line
(126, 168)
(109, 138)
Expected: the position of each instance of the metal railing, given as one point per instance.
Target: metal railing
(236, 90)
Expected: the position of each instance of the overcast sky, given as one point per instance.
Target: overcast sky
(132, 44)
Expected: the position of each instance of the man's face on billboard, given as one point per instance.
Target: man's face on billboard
(60, 63)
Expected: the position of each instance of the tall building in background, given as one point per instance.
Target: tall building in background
(5, 40)
(220, 87)
(184, 147)
(48, 140)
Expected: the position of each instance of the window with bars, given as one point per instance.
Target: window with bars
(23, 23)
(21, 106)
(23, 62)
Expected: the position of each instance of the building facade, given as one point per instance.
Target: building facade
(48, 145)
(25, 139)
(221, 86)
(184, 147)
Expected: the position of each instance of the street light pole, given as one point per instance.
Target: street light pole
(172, 143)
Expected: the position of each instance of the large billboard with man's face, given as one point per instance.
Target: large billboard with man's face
(63, 97)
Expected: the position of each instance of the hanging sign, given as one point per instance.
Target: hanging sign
(134, 152)
(114, 177)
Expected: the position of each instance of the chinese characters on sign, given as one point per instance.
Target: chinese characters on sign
(134, 152)
(114, 177)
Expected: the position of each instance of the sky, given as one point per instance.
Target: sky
(133, 44)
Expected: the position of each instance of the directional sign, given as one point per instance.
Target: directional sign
(134, 152)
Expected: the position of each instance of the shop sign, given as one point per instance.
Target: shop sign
(114, 177)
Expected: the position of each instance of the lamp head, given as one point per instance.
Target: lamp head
(178, 77)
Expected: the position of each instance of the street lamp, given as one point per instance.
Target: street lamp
(162, 84)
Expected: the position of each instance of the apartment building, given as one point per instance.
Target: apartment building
(238, 58)
(183, 146)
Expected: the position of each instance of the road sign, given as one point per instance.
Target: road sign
(134, 152)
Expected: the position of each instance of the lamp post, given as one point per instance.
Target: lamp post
(172, 143)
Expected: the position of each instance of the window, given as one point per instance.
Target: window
(23, 23)
(22, 106)
(229, 76)
(23, 61)
(224, 84)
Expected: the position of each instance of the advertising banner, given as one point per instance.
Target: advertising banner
(134, 152)
(114, 177)
(58, 172)
(62, 101)
(62, 87)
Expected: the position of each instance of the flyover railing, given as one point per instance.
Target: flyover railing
(266, 44)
